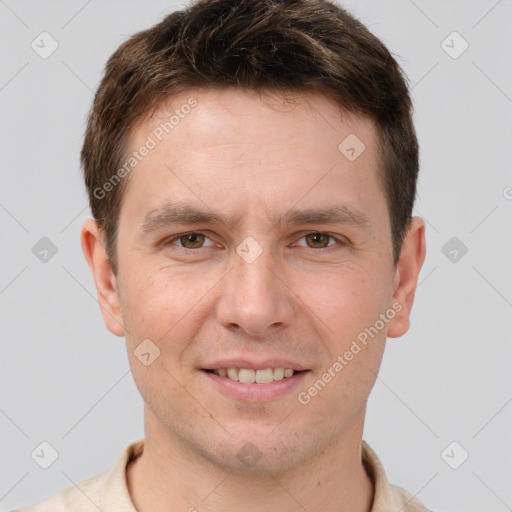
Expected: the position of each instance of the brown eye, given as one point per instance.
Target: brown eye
(191, 240)
(318, 240)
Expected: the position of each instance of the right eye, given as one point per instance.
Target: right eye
(192, 240)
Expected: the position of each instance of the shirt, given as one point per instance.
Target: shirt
(108, 491)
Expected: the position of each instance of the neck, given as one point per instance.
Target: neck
(167, 478)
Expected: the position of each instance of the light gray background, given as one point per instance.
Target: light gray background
(65, 379)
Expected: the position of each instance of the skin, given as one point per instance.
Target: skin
(256, 156)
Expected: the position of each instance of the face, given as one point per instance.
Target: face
(252, 237)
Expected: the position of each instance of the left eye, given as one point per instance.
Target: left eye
(196, 240)
(319, 240)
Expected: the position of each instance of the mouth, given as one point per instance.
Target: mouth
(254, 384)
(252, 376)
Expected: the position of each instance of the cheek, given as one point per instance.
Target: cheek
(362, 335)
(349, 304)
(145, 292)
(156, 313)
(149, 307)
(164, 306)
(345, 298)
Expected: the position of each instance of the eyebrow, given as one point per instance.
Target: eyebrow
(168, 214)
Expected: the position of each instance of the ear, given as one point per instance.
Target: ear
(409, 265)
(104, 279)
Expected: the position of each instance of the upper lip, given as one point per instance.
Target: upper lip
(255, 365)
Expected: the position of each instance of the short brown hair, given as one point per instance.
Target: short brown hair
(276, 45)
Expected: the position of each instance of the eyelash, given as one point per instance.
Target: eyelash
(323, 249)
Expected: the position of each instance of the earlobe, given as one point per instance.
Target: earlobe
(409, 266)
(104, 279)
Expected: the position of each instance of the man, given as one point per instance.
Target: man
(251, 168)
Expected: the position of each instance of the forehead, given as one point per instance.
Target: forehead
(262, 114)
(237, 149)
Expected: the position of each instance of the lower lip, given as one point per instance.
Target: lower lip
(256, 392)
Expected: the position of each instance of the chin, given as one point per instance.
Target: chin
(253, 460)
(261, 451)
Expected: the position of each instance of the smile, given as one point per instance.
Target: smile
(248, 384)
(250, 376)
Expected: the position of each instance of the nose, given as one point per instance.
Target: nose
(255, 297)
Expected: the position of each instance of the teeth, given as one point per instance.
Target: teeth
(250, 376)
(246, 376)
(264, 376)
(278, 373)
(233, 373)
